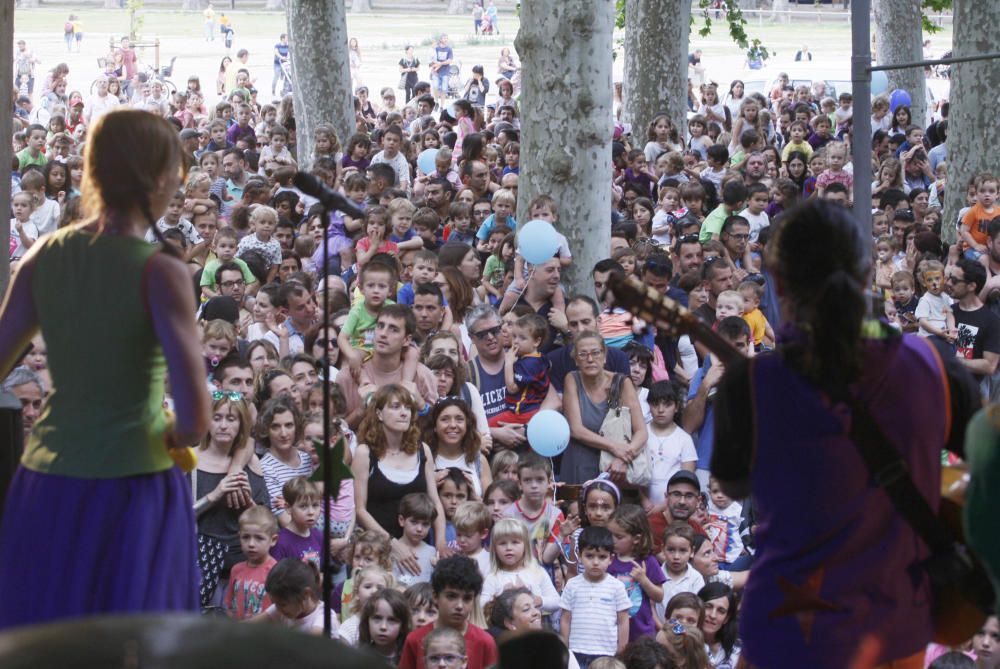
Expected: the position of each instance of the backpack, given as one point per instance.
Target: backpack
(68, 27)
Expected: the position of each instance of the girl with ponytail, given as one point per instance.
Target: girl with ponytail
(117, 316)
(835, 561)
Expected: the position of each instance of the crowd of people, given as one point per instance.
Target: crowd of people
(440, 342)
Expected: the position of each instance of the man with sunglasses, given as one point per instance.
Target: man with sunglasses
(487, 373)
(978, 328)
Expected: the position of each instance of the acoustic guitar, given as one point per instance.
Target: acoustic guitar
(960, 603)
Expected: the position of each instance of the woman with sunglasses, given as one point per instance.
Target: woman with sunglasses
(221, 495)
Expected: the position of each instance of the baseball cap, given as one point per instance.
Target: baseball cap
(684, 476)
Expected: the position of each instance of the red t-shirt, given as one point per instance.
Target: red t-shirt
(246, 596)
(480, 648)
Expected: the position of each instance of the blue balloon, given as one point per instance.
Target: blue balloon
(880, 82)
(548, 433)
(898, 98)
(425, 161)
(537, 241)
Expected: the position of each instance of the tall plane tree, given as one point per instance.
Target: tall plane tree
(566, 121)
(899, 39)
(317, 34)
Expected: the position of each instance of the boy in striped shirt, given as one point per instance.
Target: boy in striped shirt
(594, 605)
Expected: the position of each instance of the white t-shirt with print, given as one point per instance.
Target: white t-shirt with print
(667, 453)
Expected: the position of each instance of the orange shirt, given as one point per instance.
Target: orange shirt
(977, 221)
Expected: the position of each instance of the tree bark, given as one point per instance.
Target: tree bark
(317, 34)
(361, 6)
(566, 46)
(6, 130)
(973, 131)
(898, 39)
(656, 44)
(275, 4)
(778, 9)
(456, 7)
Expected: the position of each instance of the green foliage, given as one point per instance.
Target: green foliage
(927, 6)
(135, 18)
(734, 18)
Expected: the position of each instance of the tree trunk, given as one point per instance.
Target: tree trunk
(973, 131)
(656, 44)
(456, 7)
(361, 6)
(778, 9)
(898, 39)
(566, 46)
(317, 34)
(275, 4)
(6, 130)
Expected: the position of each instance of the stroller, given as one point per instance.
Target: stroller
(286, 77)
(455, 80)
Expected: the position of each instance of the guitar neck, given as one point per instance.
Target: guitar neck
(665, 313)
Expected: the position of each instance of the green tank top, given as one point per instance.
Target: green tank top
(104, 417)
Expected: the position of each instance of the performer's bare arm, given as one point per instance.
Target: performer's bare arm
(171, 308)
(18, 320)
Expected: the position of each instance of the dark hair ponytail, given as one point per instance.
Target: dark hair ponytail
(822, 260)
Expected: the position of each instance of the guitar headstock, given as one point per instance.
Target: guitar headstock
(649, 305)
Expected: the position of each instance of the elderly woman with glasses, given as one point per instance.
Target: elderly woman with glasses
(585, 402)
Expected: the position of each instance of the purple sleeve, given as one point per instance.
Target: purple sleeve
(654, 572)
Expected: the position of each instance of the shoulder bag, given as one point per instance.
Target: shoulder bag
(617, 427)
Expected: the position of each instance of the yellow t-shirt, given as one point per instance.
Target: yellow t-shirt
(758, 324)
(802, 146)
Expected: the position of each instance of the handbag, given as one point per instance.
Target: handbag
(402, 81)
(211, 556)
(617, 427)
(961, 590)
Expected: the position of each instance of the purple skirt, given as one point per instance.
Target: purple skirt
(74, 547)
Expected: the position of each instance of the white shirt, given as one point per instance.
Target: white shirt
(313, 621)
(594, 608)
(29, 230)
(667, 452)
(97, 107)
(533, 578)
(46, 217)
(692, 581)
(757, 222)
(398, 164)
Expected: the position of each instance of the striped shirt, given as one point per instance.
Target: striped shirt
(594, 607)
(277, 474)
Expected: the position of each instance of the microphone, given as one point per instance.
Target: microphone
(329, 198)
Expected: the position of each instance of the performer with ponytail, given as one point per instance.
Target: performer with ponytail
(99, 518)
(835, 560)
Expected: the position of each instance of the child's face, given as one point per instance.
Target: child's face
(750, 301)
(424, 614)
(986, 642)
(902, 292)
(511, 158)
(599, 506)
(728, 306)
(227, 113)
(21, 207)
(677, 551)
(879, 226)
(933, 281)
(76, 174)
(368, 587)
(304, 513)
(669, 201)
(401, 222)
(720, 499)
(218, 135)
(469, 543)
(687, 617)
(884, 252)
(534, 485)
(837, 159)
(375, 288)
(823, 129)
(451, 496)
(243, 116)
(296, 609)
(357, 194)
(697, 129)
(524, 341)
(383, 626)
(390, 144)
(323, 143)
(36, 142)
(498, 501)
(364, 556)
(174, 209)
(215, 348)
(696, 205)
(278, 143)
(757, 203)
(255, 542)
(424, 271)
(414, 529)
(494, 242)
(543, 213)
(225, 249)
(454, 607)
(639, 163)
(987, 193)
(510, 552)
(264, 228)
(663, 413)
(595, 563)
(502, 210)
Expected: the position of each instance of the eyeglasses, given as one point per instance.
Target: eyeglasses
(688, 239)
(676, 626)
(952, 279)
(742, 237)
(489, 332)
(233, 284)
(590, 355)
(322, 341)
(686, 496)
(228, 394)
(444, 659)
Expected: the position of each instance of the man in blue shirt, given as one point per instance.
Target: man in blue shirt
(280, 56)
(581, 316)
(443, 57)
